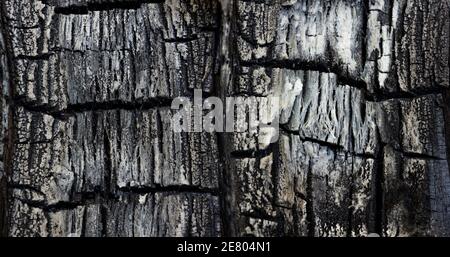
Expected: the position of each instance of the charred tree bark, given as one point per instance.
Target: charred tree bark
(88, 147)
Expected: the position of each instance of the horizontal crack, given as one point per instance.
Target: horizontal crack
(178, 189)
(97, 106)
(43, 56)
(308, 66)
(181, 40)
(84, 198)
(113, 105)
(259, 216)
(329, 145)
(247, 154)
(346, 80)
(86, 8)
(382, 97)
(323, 143)
(50, 207)
(421, 156)
(312, 140)
(25, 187)
(87, 51)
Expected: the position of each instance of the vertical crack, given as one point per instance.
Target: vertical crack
(446, 96)
(310, 218)
(104, 219)
(379, 192)
(365, 28)
(8, 138)
(108, 163)
(351, 194)
(224, 61)
(107, 182)
(84, 223)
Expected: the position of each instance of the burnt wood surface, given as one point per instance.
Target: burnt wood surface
(88, 147)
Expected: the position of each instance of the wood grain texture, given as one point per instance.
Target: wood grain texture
(88, 147)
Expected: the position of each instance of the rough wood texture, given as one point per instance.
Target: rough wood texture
(364, 118)
(88, 147)
(93, 148)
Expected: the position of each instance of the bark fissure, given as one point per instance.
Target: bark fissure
(8, 140)
(92, 6)
(446, 104)
(97, 106)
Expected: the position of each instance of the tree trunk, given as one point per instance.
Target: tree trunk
(89, 148)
